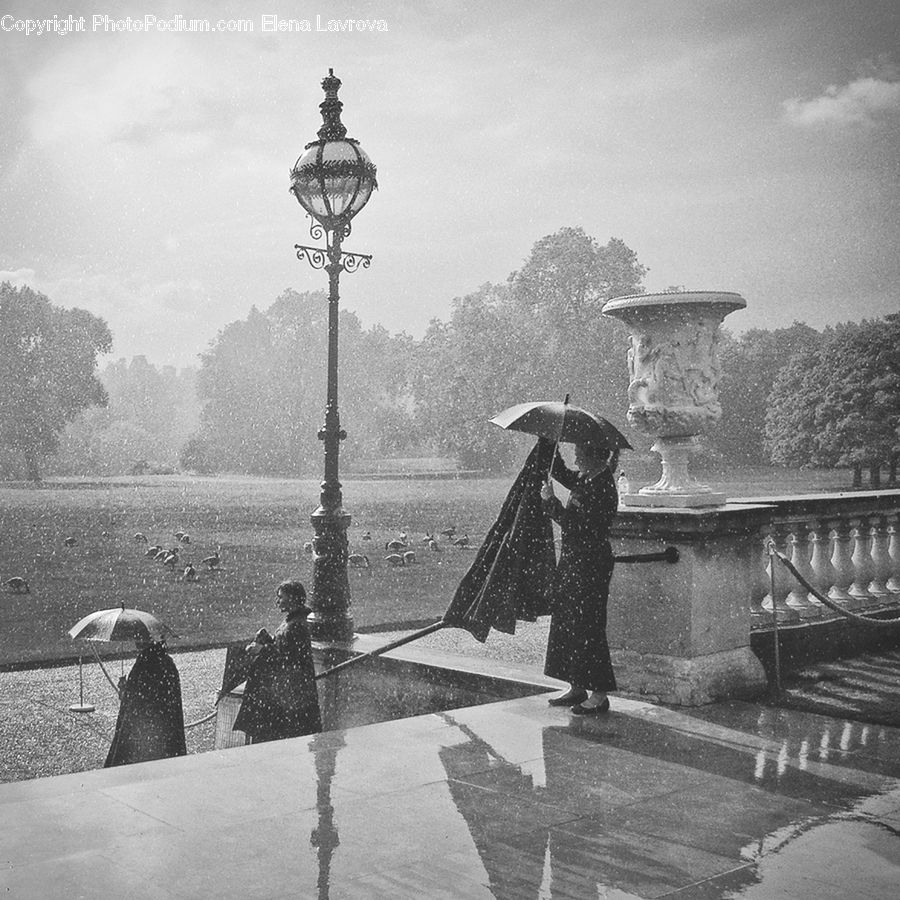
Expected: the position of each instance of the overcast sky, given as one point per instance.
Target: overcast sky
(743, 146)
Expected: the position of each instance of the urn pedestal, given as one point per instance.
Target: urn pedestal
(674, 370)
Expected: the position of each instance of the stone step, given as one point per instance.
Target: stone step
(865, 688)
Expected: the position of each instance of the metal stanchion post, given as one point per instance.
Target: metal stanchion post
(770, 546)
(81, 706)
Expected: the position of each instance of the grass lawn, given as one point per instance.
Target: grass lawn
(260, 526)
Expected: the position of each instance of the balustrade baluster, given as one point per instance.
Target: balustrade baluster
(881, 562)
(782, 586)
(893, 583)
(820, 563)
(843, 567)
(862, 562)
(797, 598)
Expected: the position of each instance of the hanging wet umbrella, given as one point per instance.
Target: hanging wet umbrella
(120, 624)
(561, 422)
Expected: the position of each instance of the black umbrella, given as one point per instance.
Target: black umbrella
(562, 422)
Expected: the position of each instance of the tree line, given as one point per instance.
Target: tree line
(791, 396)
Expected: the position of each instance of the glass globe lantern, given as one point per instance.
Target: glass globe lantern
(334, 177)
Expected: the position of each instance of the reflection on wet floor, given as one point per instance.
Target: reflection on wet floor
(509, 800)
(832, 741)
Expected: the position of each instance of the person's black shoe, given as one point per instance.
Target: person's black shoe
(568, 699)
(599, 710)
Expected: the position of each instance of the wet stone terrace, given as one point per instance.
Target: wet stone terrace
(507, 800)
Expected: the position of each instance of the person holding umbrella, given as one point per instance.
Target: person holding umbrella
(577, 648)
(150, 724)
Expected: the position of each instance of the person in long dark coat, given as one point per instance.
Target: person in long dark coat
(150, 724)
(577, 648)
(281, 699)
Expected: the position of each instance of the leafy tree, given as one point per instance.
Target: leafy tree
(560, 292)
(542, 335)
(48, 357)
(839, 405)
(263, 382)
(150, 415)
(467, 370)
(750, 366)
(196, 456)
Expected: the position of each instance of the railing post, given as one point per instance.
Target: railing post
(798, 597)
(820, 563)
(777, 605)
(843, 566)
(881, 562)
(862, 562)
(893, 582)
(770, 547)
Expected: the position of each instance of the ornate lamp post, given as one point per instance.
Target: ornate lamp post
(332, 180)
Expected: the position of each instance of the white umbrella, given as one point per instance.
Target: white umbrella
(114, 626)
(120, 624)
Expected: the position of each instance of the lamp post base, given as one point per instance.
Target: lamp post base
(330, 619)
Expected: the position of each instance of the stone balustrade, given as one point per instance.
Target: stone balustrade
(846, 547)
(682, 633)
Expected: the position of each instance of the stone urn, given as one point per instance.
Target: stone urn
(673, 393)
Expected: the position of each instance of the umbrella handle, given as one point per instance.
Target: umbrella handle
(556, 445)
(100, 661)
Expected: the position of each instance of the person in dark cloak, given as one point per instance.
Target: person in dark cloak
(281, 699)
(577, 648)
(150, 724)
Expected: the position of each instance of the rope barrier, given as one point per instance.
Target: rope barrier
(430, 629)
(868, 621)
(208, 718)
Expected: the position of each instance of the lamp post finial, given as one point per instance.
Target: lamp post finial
(332, 128)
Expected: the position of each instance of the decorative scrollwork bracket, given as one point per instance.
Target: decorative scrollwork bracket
(318, 258)
(317, 231)
(353, 261)
(315, 256)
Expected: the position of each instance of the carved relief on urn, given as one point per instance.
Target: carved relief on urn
(674, 369)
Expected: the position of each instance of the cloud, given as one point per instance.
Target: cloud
(169, 321)
(155, 95)
(865, 101)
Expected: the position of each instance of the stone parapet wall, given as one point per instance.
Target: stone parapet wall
(682, 633)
